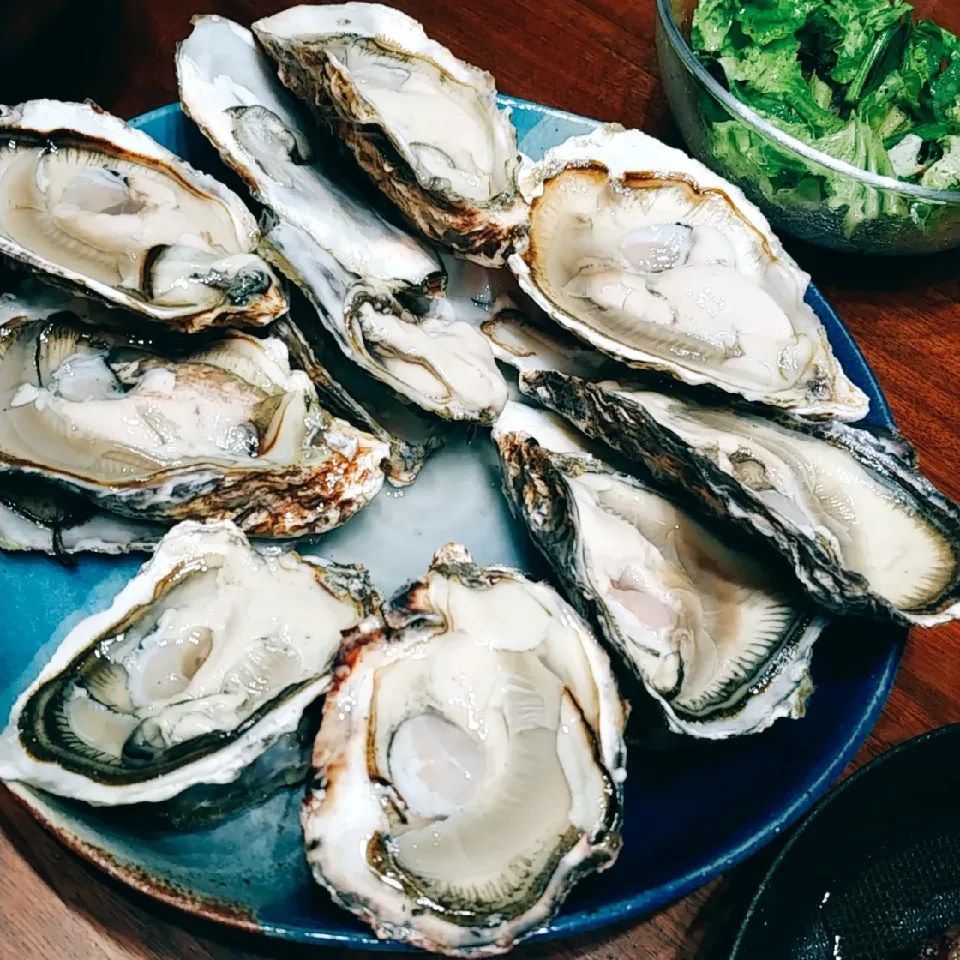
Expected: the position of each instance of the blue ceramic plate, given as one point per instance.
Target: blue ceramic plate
(691, 812)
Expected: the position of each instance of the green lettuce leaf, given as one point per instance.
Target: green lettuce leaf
(769, 20)
(868, 67)
(890, 109)
(945, 94)
(750, 155)
(770, 79)
(864, 25)
(712, 22)
(758, 165)
(927, 47)
(892, 93)
(821, 91)
(859, 145)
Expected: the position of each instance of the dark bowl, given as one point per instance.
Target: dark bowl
(874, 870)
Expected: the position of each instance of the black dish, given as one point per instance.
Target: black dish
(874, 871)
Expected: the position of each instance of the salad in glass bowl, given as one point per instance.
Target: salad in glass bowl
(841, 118)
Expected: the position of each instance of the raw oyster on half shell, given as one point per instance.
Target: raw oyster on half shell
(229, 88)
(847, 507)
(441, 363)
(645, 254)
(422, 124)
(469, 764)
(194, 683)
(370, 282)
(180, 427)
(102, 208)
(714, 636)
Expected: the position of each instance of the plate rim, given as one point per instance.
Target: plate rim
(231, 915)
(582, 921)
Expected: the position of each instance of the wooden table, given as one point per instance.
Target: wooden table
(594, 57)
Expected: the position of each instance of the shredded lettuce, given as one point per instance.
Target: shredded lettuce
(865, 29)
(861, 80)
(765, 22)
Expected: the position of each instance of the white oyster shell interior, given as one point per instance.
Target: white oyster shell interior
(642, 252)
(437, 360)
(471, 767)
(101, 205)
(713, 635)
(822, 491)
(527, 346)
(203, 660)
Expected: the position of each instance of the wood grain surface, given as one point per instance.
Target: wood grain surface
(594, 57)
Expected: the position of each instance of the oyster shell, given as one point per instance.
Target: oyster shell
(28, 298)
(39, 516)
(347, 392)
(721, 645)
(485, 673)
(645, 254)
(180, 428)
(423, 125)
(442, 364)
(203, 664)
(365, 277)
(864, 531)
(229, 88)
(101, 207)
(521, 343)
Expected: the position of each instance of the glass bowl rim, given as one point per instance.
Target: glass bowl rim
(694, 66)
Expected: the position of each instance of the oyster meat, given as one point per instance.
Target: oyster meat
(645, 254)
(715, 638)
(368, 280)
(865, 532)
(102, 208)
(424, 125)
(469, 762)
(200, 670)
(180, 428)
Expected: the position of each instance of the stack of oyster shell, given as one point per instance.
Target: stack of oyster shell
(179, 376)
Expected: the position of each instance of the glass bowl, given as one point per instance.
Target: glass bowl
(886, 216)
